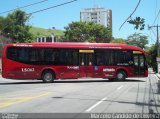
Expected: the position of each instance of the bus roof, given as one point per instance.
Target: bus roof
(78, 45)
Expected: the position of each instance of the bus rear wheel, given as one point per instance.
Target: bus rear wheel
(48, 76)
(121, 75)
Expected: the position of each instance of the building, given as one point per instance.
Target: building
(97, 15)
(47, 39)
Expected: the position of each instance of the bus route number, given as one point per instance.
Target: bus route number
(27, 69)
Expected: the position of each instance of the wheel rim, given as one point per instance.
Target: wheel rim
(120, 76)
(48, 77)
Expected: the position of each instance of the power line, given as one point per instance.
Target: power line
(153, 32)
(52, 7)
(130, 15)
(156, 17)
(151, 37)
(24, 6)
(156, 7)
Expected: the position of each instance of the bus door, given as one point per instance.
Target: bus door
(86, 61)
(139, 64)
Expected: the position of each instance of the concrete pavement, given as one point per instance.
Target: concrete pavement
(135, 95)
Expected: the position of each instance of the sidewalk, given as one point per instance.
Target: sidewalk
(158, 84)
(158, 75)
(150, 70)
(0, 67)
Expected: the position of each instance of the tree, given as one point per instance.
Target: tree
(138, 22)
(15, 27)
(87, 32)
(1, 22)
(152, 56)
(118, 40)
(137, 39)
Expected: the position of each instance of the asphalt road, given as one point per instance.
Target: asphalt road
(135, 95)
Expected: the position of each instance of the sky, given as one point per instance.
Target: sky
(60, 17)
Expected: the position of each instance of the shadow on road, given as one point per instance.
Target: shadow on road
(93, 81)
(14, 83)
(69, 81)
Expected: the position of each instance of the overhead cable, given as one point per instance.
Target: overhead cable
(24, 6)
(52, 7)
(130, 14)
(156, 17)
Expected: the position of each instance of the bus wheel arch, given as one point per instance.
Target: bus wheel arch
(48, 76)
(121, 74)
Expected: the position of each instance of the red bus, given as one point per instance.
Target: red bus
(50, 61)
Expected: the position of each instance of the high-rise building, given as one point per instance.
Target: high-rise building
(97, 15)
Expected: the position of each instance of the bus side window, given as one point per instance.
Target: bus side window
(107, 57)
(23, 55)
(32, 55)
(56, 58)
(75, 58)
(41, 55)
(100, 59)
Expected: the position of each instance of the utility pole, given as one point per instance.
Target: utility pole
(158, 47)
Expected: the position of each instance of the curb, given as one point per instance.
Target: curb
(158, 75)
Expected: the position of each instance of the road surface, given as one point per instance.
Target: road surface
(135, 95)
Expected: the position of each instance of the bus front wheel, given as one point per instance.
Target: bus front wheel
(48, 76)
(121, 75)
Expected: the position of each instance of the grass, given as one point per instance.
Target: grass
(40, 32)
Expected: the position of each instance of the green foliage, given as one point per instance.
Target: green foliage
(118, 40)
(152, 56)
(1, 23)
(40, 32)
(87, 32)
(138, 22)
(14, 26)
(137, 39)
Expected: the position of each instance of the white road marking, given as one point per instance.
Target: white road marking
(99, 102)
(120, 87)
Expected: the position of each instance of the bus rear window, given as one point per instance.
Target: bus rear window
(22, 54)
(12, 53)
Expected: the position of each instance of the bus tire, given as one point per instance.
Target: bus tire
(121, 75)
(48, 76)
